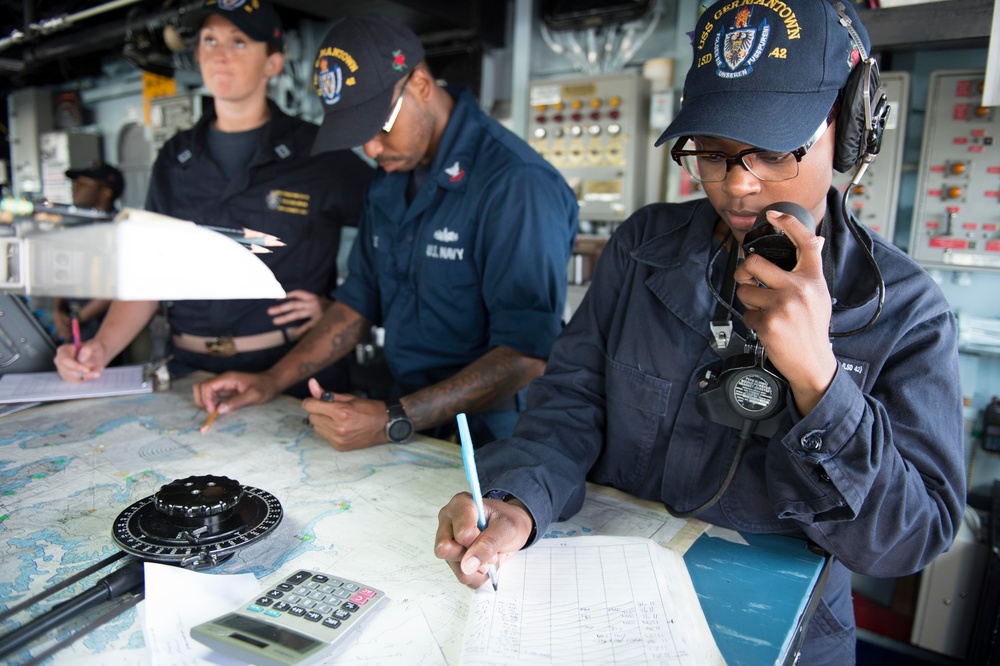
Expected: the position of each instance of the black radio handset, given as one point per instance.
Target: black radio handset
(747, 392)
(770, 242)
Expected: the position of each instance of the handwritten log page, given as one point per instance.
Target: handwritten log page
(590, 600)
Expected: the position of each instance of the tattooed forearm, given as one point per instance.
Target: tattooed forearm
(333, 336)
(334, 340)
(493, 377)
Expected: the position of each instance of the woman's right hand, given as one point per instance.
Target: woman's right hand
(87, 365)
(467, 550)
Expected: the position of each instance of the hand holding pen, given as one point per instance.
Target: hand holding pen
(465, 542)
(83, 363)
(472, 474)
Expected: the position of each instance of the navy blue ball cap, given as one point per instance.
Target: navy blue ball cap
(358, 65)
(102, 172)
(767, 72)
(256, 18)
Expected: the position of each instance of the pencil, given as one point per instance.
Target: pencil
(248, 236)
(209, 420)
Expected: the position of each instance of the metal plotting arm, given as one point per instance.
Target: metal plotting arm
(118, 583)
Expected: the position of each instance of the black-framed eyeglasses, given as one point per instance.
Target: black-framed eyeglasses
(391, 120)
(712, 166)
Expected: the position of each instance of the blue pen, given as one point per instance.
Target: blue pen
(469, 460)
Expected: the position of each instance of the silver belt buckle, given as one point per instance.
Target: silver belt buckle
(223, 347)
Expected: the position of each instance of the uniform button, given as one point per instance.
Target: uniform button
(823, 475)
(812, 441)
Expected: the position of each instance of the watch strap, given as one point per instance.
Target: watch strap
(396, 416)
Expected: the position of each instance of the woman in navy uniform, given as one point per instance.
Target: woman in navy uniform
(865, 457)
(245, 164)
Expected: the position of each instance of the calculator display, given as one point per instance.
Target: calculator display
(269, 632)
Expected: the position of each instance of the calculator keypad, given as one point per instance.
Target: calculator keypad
(319, 598)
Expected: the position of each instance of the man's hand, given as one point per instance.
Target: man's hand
(232, 390)
(792, 314)
(470, 552)
(346, 421)
(299, 305)
(93, 358)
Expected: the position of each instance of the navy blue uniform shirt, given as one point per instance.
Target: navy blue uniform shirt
(477, 260)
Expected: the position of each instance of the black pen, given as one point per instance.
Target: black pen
(326, 396)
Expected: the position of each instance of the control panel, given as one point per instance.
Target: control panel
(169, 115)
(61, 151)
(956, 216)
(875, 198)
(592, 130)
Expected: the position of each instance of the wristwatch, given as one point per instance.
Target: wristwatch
(400, 427)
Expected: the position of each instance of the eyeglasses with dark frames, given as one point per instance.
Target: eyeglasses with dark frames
(712, 166)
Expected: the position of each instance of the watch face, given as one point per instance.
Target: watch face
(400, 430)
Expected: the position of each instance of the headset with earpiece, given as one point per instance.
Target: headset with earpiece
(747, 392)
(864, 109)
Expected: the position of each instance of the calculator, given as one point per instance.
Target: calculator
(297, 621)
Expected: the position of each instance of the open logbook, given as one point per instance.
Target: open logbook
(590, 600)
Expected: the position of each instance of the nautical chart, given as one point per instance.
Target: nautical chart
(68, 469)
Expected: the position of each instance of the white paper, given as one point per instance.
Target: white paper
(590, 600)
(178, 599)
(46, 386)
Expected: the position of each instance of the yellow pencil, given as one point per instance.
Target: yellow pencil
(209, 420)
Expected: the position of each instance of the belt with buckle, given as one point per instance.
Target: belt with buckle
(226, 345)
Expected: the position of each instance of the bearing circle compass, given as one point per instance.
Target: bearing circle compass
(196, 522)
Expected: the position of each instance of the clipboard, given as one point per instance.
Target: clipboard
(49, 386)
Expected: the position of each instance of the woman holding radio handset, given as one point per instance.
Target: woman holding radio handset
(864, 454)
(789, 311)
(246, 163)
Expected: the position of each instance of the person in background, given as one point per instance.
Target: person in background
(461, 252)
(864, 455)
(98, 185)
(245, 164)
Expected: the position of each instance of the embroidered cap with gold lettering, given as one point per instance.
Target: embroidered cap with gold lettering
(358, 64)
(256, 18)
(767, 73)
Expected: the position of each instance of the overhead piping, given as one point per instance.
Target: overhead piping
(52, 25)
(95, 38)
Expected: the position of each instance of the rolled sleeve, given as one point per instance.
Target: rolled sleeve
(528, 230)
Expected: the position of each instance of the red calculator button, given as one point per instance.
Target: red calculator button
(368, 592)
